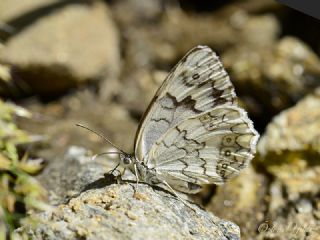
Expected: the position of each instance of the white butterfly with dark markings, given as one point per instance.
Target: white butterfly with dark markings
(193, 132)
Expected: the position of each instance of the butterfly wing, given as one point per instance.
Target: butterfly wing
(197, 84)
(207, 148)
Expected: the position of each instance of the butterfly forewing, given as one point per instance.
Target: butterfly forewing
(197, 84)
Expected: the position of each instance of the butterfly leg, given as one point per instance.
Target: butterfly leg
(136, 173)
(119, 179)
(119, 175)
(137, 179)
(176, 194)
(115, 168)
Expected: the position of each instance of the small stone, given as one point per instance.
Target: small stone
(131, 215)
(304, 206)
(141, 196)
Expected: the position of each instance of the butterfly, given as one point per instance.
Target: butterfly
(193, 132)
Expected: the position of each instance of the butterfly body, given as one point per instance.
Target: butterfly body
(152, 177)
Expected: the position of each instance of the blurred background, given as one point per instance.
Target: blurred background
(99, 63)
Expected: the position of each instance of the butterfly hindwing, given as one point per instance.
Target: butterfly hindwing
(197, 84)
(208, 148)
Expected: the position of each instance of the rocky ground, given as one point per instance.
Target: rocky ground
(100, 62)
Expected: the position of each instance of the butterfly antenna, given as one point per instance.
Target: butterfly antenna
(100, 135)
(104, 153)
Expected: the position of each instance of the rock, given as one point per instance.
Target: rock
(141, 81)
(57, 122)
(276, 74)
(241, 200)
(116, 211)
(296, 129)
(162, 47)
(67, 178)
(67, 174)
(289, 149)
(137, 11)
(289, 152)
(158, 47)
(66, 161)
(70, 46)
(295, 220)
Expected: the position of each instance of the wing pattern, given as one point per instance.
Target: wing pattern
(209, 148)
(197, 84)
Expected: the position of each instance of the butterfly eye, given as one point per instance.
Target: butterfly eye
(127, 160)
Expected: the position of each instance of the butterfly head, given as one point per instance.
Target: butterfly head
(126, 159)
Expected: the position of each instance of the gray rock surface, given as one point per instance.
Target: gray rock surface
(116, 212)
(67, 178)
(91, 204)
